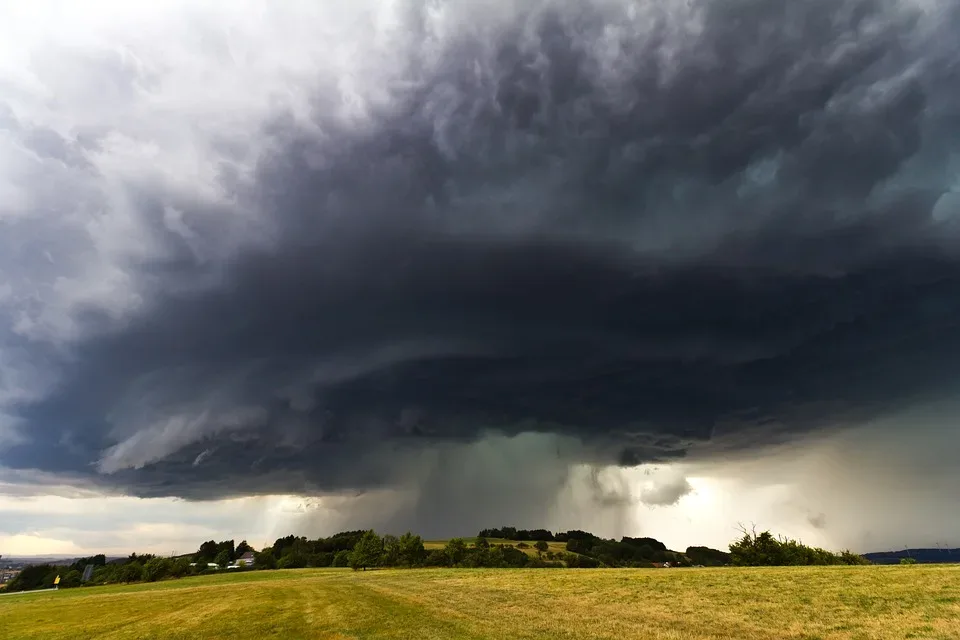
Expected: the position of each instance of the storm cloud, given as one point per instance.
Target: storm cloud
(605, 232)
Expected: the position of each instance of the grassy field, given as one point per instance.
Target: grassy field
(559, 547)
(875, 603)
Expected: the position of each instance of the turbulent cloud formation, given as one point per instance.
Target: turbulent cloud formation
(256, 249)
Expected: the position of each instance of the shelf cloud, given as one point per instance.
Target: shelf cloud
(315, 249)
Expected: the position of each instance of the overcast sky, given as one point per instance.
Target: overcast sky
(642, 268)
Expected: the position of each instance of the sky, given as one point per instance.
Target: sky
(649, 268)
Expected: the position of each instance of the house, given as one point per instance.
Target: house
(246, 560)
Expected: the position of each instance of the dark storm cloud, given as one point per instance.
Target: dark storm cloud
(649, 242)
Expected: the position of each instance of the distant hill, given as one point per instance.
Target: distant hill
(925, 556)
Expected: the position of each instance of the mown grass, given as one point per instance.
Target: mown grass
(868, 603)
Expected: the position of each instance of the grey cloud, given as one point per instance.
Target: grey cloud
(639, 241)
(817, 521)
(666, 493)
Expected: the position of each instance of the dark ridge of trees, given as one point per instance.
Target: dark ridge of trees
(364, 550)
(707, 557)
(80, 564)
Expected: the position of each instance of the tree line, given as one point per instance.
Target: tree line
(506, 547)
(763, 549)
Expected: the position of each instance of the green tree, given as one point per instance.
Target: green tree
(908, 561)
(223, 558)
(265, 559)
(391, 551)
(156, 569)
(242, 548)
(368, 552)
(411, 551)
(131, 572)
(180, 567)
(342, 559)
(541, 546)
(292, 561)
(456, 550)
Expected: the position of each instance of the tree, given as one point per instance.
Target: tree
(456, 550)
(180, 567)
(207, 552)
(38, 576)
(541, 546)
(391, 551)
(292, 561)
(223, 558)
(156, 569)
(131, 572)
(368, 552)
(342, 559)
(265, 559)
(410, 549)
(242, 548)
(908, 561)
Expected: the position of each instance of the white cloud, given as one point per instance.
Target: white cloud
(36, 544)
(94, 523)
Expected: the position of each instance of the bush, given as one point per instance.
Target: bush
(908, 561)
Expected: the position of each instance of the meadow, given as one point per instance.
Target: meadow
(556, 547)
(873, 602)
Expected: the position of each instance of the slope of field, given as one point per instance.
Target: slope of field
(877, 603)
(557, 547)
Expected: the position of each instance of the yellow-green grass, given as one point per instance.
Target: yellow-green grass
(529, 550)
(875, 603)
